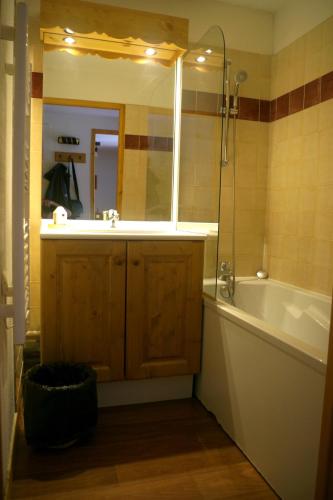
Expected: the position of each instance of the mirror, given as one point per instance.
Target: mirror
(121, 111)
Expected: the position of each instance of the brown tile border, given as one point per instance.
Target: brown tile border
(282, 106)
(248, 109)
(310, 94)
(264, 111)
(209, 103)
(296, 100)
(148, 143)
(326, 87)
(37, 85)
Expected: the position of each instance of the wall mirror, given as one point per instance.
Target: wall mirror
(117, 98)
(143, 120)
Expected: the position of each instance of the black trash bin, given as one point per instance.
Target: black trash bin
(60, 404)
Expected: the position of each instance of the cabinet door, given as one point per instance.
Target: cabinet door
(164, 304)
(83, 304)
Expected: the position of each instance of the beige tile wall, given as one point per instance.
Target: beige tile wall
(251, 171)
(200, 171)
(199, 181)
(147, 174)
(250, 198)
(299, 218)
(309, 57)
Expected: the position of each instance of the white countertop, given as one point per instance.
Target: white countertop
(124, 230)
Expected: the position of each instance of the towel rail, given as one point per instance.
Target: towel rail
(20, 174)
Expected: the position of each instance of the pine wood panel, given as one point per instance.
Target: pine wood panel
(61, 156)
(169, 450)
(83, 304)
(100, 22)
(164, 290)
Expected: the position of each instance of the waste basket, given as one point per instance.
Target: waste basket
(60, 404)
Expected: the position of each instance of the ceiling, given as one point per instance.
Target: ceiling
(267, 5)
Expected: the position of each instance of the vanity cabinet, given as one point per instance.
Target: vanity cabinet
(131, 309)
(83, 304)
(163, 308)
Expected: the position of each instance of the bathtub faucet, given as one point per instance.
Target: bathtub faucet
(226, 270)
(227, 278)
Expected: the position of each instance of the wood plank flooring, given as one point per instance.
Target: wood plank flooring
(169, 450)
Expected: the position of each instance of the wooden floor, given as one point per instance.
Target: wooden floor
(170, 450)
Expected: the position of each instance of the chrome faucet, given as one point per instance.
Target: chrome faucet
(227, 278)
(226, 270)
(111, 215)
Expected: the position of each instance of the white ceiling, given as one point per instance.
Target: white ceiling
(267, 5)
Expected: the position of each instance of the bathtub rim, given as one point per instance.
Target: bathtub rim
(284, 284)
(292, 346)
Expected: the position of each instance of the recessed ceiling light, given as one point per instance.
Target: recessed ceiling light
(69, 39)
(69, 31)
(200, 59)
(150, 51)
(208, 51)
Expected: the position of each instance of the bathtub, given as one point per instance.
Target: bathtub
(263, 376)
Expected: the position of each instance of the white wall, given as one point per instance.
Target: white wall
(7, 405)
(106, 171)
(296, 18)
(74, 122)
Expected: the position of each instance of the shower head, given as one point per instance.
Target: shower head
(240, 77)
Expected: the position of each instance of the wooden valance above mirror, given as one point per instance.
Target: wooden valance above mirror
(112, 32)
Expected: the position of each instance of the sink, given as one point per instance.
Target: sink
(124, 230)
(116, 230)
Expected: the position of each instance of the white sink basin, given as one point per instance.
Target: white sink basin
(136, 230)
(116, 230)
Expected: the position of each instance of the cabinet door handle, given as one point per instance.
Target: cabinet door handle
(135, 262)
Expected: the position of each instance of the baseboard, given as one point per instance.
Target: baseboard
(129, 392)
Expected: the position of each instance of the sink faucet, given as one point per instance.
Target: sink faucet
(111, 215)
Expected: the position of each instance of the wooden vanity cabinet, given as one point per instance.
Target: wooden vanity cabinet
(88, 284)
(163, 308)
(83, 304)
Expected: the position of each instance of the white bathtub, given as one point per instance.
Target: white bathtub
(263, 376)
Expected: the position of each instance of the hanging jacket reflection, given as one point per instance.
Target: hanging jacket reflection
(58, 189)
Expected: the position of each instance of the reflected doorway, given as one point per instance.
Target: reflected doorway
(106, 176)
